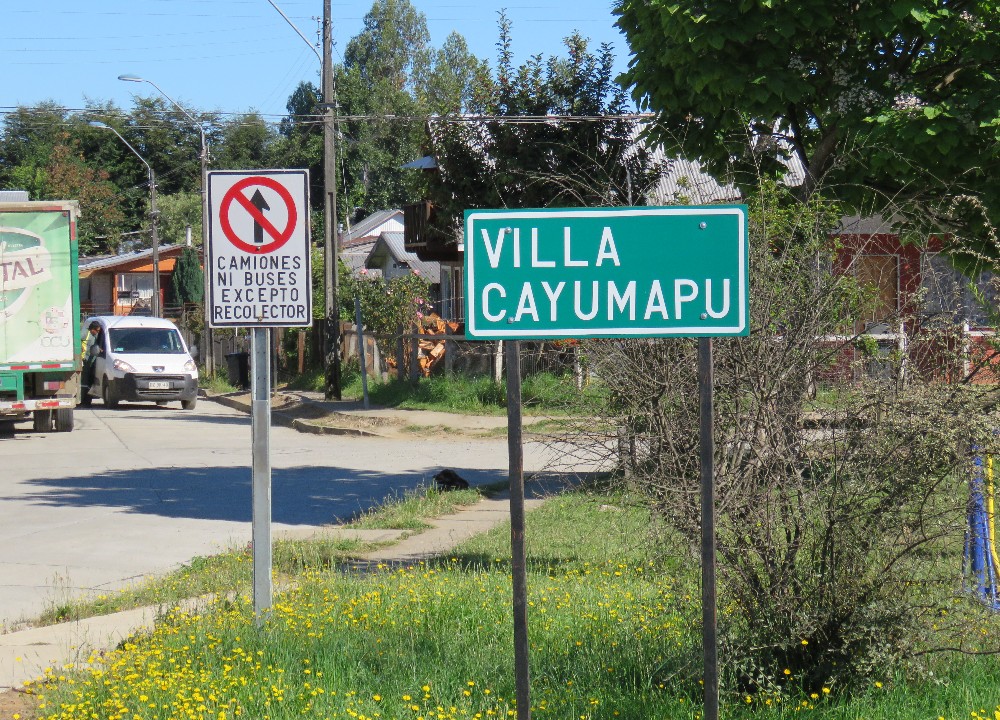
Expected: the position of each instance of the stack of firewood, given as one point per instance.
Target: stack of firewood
(432, 350)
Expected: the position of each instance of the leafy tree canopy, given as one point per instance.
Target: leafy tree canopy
(391, 79)
(247, 143)
(900, 98)
(393, 48)
(177, 213)
(510, 159)
(67, 176)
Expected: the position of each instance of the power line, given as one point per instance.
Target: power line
(317, 119)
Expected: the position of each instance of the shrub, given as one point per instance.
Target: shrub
(840, 528)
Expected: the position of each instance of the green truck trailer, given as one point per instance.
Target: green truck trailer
(40, 356)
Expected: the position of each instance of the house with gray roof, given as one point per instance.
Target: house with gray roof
(357, 241)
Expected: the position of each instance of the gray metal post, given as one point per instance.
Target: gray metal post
(518, 557)
(208, 351)
(361, 350)
(261, 431)
(708, 598)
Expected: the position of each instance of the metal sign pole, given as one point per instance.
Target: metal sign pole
(518, 557)
(708, 596)
(361, 350)
(260, 409)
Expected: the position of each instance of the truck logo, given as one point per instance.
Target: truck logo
(24, 263)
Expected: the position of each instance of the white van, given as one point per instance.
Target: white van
(140, 359)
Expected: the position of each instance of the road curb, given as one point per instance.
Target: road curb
(285, 420)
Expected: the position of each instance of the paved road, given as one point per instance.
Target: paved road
(139, 490)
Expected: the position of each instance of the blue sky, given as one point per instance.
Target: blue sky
(237, 55)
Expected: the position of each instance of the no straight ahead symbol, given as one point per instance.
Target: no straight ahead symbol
(244, 201)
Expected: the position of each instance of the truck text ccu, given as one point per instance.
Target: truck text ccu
(39, 313)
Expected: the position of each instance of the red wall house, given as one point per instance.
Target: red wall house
(924, 310)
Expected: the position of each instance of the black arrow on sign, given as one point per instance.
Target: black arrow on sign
(260, 203)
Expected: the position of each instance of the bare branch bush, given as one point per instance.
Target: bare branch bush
(841, 512)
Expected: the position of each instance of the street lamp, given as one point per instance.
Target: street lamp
(208, 349)
(157, 310)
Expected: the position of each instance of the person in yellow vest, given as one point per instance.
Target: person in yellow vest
(94, 337)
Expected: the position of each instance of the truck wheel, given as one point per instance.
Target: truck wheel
(42, 420)
(108, 395)
(64, 420)
(189, 404)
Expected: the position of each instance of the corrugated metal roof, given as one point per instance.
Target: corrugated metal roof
(355, 261)
(392, 243)
(868, 225)
(683, 181)
(369, 227)
(89, 266)
(13, 196)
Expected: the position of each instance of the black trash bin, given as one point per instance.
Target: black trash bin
(238, 367)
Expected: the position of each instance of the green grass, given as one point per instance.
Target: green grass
(211, 575)
(409, 511)
(542, 393)
(313, 380)
(613, 628)
(218, 384)
(232, 571)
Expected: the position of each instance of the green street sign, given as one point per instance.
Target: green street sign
(679, 271)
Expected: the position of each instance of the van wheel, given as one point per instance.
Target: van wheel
(42, 420)
(189, 404)
(108, 395)
(64, 420)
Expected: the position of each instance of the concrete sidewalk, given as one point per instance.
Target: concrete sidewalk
(25, 655)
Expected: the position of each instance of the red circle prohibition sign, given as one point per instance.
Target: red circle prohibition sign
(278, 237)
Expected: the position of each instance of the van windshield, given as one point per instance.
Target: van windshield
(146, 341)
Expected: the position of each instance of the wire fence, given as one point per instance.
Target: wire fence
(942, 351)
(415, 355)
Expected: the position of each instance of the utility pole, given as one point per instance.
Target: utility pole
(331, 251)
(331, 241)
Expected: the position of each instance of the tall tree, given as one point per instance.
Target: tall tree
(393, 48)
(68, 177)
(515, 157)
(178, 212)
(187, 282)
(456, 78)
(896, 99)
(29, 135)
(384, 68)
(248, 142)
(390, 81)
(300, 141)
(170, 142)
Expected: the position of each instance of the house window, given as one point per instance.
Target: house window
(948, 293)
(134, 290)
(452, 293)
(881, 273)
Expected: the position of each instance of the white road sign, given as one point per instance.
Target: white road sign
(258, 249)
